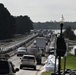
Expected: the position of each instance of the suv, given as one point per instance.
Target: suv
(28, 61)
(7, 68)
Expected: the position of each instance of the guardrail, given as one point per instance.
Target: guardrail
(15, 46)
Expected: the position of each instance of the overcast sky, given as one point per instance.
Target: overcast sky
(42, 10)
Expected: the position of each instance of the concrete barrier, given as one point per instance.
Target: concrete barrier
(15, 46)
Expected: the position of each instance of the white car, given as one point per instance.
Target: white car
(73, 50)
(34, 42)
(51, 50)
(7, 68)
(21, 51)
(28, 61)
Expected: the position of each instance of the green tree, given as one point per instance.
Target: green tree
(68, 33)
(7, 23)
(24, 24)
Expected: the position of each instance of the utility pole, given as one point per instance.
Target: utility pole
(61, 26)
(60, 47)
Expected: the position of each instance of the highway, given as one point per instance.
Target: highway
(26, 71)
(15, 42)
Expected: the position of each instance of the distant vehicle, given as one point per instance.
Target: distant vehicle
(7, 67)
(73, 50)
(28, 61)
(21, 51)
(41, 44)
(40, 34)
(34, 50)
(51, 50)
(34, 42)
(32, 31)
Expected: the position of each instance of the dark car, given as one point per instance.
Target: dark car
(7, 68)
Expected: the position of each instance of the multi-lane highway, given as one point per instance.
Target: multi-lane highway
(26, 71)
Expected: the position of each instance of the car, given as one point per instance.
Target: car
(73, 51)
(51, 50)
(21, 51)
(28, 61)
(7, 67)
(34, 42)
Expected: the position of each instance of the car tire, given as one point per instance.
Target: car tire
(35, 68)
(21, 66)
(39, 62)
(17, 55)
(43, 55)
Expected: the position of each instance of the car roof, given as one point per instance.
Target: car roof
(22, 48)
(51, 47)
(29, 55)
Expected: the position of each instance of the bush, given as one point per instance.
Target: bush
(68, 33)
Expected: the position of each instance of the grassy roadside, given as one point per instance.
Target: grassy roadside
(70, 64)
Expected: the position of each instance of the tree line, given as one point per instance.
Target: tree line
(53, 25)
(10, 25)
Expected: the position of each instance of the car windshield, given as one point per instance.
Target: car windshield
(26, 57)
(4, 67)
(22, 48)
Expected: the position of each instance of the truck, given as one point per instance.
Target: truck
(41, 44)
(34, 50)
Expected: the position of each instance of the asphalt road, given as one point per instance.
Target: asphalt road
(26, 71)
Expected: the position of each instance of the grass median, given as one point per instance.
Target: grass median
(70, 64)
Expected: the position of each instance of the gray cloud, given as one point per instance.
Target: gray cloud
(42, 10)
